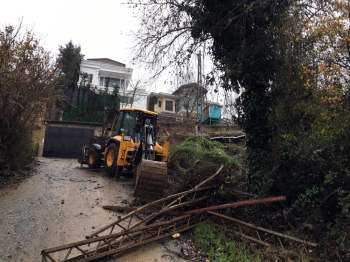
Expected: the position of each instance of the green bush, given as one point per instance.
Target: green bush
(200, 148)
(16, 150)
(309, 164)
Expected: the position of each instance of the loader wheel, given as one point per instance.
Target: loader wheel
(111, 159)
(94, 158)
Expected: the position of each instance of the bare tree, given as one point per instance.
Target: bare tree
(165, 43)
(163, 40)
(27, 77)
(27, 90)
(130, 96)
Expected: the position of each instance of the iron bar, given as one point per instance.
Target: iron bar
(236, 204)
(270, 232)
(144, 207)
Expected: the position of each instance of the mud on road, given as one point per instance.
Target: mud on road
(62, 203)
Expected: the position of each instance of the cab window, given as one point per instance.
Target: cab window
(127, 123)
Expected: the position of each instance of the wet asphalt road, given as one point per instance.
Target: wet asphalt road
(62, 203)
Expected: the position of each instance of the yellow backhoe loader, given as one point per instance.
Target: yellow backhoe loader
(132, 145)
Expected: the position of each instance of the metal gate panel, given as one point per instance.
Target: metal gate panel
(65, 142)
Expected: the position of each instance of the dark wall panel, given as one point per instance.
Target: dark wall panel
(65, 142)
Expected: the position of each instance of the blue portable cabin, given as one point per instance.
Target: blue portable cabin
(211, 114)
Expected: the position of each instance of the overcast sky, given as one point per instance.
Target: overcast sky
(102, 28)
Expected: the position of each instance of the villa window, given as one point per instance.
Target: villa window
(159, 103)
(112, 81)
(125, 99)
(168, 105)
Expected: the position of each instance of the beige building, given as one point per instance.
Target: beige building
(182, 101)
(162, 102)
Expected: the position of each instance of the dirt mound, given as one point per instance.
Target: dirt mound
(181, 179)
(176, 140)
(196, 159)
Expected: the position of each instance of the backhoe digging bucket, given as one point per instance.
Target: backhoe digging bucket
(150, 180)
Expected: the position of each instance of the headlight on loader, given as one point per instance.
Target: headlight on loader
(127, 138)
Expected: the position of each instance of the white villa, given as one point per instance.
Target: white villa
(100, 69)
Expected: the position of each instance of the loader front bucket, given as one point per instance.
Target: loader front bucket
(150, 180)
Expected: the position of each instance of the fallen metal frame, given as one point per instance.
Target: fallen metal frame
(116, 237)
(113, 244)
(164, 205)
(154, 221)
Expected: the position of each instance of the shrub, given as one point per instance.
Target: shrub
(200, 148)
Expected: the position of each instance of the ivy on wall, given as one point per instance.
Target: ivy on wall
(153, 100)
(87, 106)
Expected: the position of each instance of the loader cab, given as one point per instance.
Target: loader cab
(131, 122)
(126, 123)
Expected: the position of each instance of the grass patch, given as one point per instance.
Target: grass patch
(220, 247)
(8, 177)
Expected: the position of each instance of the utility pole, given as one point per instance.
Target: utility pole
(199, 94)
(197, 97)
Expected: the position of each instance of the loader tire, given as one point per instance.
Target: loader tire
(111, 159)
(94, 158)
